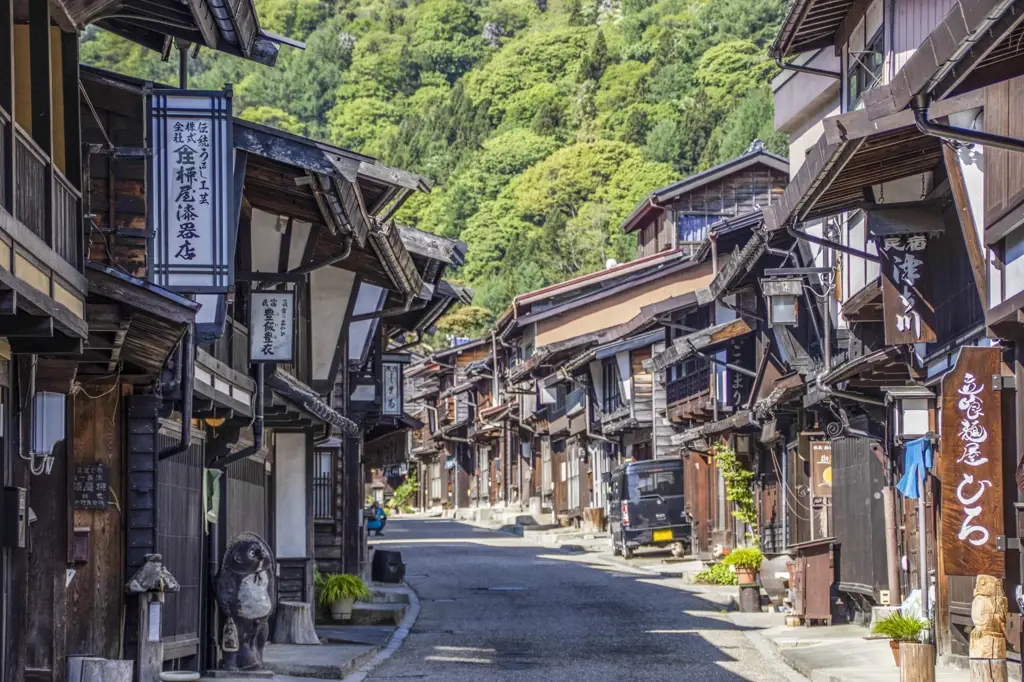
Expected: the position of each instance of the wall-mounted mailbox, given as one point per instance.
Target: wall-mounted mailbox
(80, 546)
(15, 516)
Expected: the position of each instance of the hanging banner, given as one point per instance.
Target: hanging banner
(190, 190)
(906, 286)
(970, 465)
(272, 326)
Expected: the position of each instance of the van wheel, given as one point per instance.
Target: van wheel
(678, 551)
(615, 548)
(627, 553)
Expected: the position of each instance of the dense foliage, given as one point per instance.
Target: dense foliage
(718, 574)
(543, 122)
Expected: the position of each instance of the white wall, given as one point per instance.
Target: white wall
(330, 290)
(290, 490)
(370, 299)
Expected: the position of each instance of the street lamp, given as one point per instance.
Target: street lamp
(912, 410)
(781, 294)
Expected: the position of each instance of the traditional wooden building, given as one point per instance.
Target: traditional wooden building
(898, 105)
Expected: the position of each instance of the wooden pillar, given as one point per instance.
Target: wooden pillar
(351, 534)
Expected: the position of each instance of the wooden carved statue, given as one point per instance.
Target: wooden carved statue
(246, 594)
(988, 612)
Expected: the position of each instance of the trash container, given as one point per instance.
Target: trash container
(387, 566)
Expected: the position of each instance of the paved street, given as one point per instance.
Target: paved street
(495, 608)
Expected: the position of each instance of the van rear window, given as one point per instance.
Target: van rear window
(655, 482)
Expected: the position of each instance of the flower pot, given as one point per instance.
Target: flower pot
(746, 575)
(342, 609)
(894, 644)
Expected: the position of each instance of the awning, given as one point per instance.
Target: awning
(865, 305)
(888, 366)
(298, 393)
(140, 322)
(855, 153)
(702, 340)
(971, 48)
(740, 263)
(739, 420)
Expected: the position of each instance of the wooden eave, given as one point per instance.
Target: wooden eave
(889, 366)
(741, 262)
(150, 22)
(131, 322)
(866, 304)
(810, 25)
(855, 153)
(976, 44)
(742, 419)
(704, 339)
(298, 393)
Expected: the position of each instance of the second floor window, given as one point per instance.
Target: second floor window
(611, 399)
(691, 229)
(863, 64)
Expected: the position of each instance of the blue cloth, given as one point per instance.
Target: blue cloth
(917, 460)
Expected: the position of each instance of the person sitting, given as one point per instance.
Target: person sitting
(378, 519)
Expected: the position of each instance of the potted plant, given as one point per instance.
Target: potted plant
(747, 562)
(339, 591)
(899, 628)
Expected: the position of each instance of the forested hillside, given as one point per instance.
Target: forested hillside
(541, 122)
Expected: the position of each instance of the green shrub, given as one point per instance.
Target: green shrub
(899, 627)
(747, 557)
(336, 586)
(719, 574)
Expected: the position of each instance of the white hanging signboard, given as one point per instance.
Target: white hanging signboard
(272, 326)
(392, 389)
(190, 190)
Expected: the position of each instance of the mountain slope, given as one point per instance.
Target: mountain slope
(542, 122)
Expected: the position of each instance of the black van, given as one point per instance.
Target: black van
(646, 507)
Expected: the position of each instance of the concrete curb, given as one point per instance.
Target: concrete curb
(359, 671)
(770, 651)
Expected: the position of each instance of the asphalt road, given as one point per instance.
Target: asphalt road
(495, 608)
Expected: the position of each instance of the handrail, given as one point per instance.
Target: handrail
(62, 179)
(23, 137)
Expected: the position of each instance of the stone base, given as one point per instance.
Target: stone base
(91, 669)
(240, 674)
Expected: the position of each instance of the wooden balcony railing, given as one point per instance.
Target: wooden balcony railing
(689, 385)
(30, 183)
(67, 219)
(36, 188)
(232, 348)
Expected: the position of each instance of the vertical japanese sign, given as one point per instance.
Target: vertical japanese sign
(821, 468)
(190, 192)
(392, 389)
(908, 313)
(970, 465)
(272, 326)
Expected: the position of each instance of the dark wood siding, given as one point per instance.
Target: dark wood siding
(1004, 170)
(180, 540)
(954, 292)
(247, 499)
(858, 516)
(734, 195)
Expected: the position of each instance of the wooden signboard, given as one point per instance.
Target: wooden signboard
(90, 486)
(970, 466)
(821, 468)
(906, 279)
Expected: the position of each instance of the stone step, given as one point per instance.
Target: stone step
(389, 594)
(370, 613)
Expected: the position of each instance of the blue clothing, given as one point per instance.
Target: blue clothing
(917, 460)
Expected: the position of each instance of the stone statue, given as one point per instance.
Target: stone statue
(246, 594)
(988, 612)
